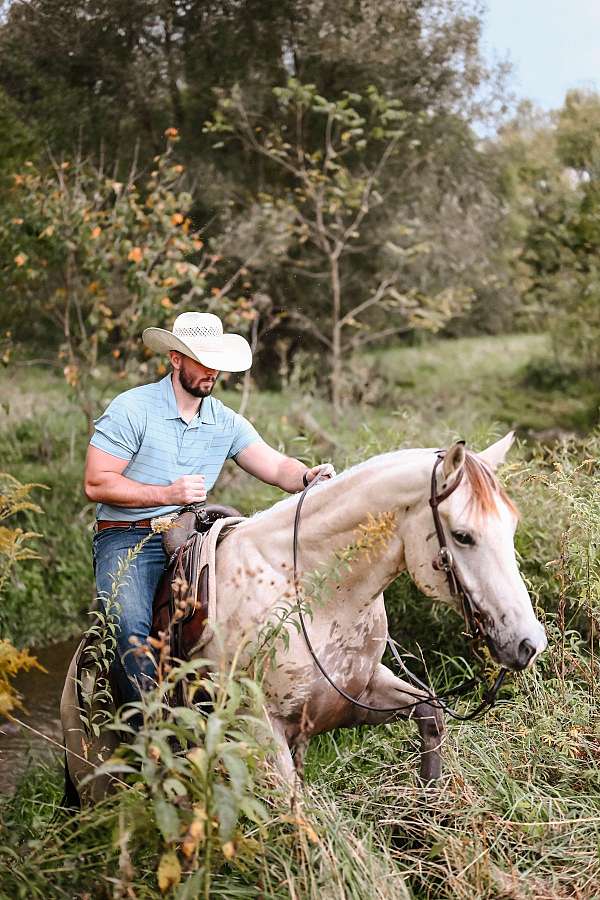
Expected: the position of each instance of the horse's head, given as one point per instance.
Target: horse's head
(478, 521)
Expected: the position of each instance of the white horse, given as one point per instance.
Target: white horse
(347, 625)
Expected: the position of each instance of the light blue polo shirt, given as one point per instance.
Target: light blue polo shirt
(144, 426)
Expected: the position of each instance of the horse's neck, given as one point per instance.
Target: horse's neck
(374, 495)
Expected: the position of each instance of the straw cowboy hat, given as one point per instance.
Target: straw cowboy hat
(200, 336)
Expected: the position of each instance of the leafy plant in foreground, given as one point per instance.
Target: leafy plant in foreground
(14, 498)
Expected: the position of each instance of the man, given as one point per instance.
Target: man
(157, 448)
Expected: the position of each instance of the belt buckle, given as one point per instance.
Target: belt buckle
(158, 524)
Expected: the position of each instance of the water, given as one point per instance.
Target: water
(41, 698)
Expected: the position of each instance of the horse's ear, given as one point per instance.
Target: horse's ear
(454, 460)
(495, 454)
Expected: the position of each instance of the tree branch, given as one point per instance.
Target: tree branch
(376, 336)
(309, 326)
(370, 301)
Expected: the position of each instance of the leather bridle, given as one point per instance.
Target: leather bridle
(444, 561)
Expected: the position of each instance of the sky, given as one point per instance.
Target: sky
(554, 45)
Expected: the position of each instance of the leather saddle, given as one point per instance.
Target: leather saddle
(180, 607)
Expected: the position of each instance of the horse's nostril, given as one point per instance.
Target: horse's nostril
(526, 652)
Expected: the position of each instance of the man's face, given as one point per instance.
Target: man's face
(196, 379)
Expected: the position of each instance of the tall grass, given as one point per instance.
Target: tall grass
(517, 814)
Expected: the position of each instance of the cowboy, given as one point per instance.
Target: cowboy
(159, 447)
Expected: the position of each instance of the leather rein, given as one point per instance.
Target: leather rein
(444, 561)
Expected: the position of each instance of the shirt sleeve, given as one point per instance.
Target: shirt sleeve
(244, 434)
(119, 430)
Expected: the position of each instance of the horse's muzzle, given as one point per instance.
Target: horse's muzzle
(525, 653)
(521, 655)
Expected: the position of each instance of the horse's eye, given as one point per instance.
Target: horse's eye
(463, 537)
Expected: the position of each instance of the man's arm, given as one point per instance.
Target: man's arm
(272, 467)
(105, 483)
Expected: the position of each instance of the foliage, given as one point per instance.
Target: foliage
(102, 82)
(102, 75)
(552, 168)
(518, 810)
(197, 767)
(43, 439)
(17, 142)
(14, 498)
(326, 215)
(98, 259)
(12, 662)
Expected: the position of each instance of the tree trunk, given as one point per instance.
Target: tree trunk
(336, 340)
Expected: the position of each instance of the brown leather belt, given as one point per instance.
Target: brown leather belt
(101, 524)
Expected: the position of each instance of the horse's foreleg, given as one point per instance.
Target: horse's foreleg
(281, 759)
(386, 690)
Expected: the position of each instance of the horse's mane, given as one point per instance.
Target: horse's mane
(485, 487)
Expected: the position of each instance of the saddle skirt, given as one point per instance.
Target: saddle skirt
(185, 604)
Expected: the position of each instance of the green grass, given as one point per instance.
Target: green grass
(518, 812)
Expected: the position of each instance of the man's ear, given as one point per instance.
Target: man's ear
(495, 454)
(454, 460)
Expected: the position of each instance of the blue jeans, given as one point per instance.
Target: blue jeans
(127, 592)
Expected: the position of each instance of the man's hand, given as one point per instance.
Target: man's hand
(325, 470)
(187, 489)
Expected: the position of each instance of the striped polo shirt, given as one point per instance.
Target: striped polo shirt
(144, 426)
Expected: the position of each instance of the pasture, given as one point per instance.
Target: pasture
(517, 814)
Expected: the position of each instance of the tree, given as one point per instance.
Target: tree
(554, 166)
(97, 260)
(103, 73)
(328, 213)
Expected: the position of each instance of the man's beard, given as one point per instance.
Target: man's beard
(188, 385)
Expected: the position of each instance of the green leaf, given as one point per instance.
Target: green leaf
(167, 819)
(238, 771)
(214, 733)
(227, 809)
(191, 888)
(174, 788)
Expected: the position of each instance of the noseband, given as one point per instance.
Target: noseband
(444, 561)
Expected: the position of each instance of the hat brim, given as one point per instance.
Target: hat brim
(235, 354)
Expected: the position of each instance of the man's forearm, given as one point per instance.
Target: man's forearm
(289, 475)
(118, 490)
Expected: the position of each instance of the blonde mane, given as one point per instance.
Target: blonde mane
(485, 487)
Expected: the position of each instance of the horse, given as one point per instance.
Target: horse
(329, 674)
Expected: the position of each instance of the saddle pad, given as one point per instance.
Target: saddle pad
(208, 552)
(190, 580)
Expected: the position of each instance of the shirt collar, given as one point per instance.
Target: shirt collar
(169, 402)
(207, 412)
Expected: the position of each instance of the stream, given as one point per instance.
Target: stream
(41, 698)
